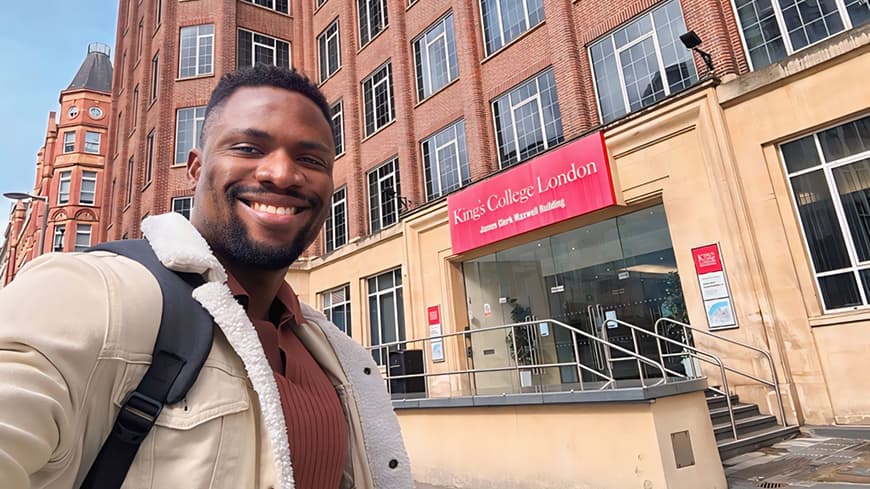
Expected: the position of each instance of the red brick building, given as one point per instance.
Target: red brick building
(69, 170)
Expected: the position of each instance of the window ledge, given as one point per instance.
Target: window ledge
(378, 131)
(151, 104)
(147, 184)
(197, 77)
(339, 155)
(330, 77)
(372, 39)
(436, 92)
(177, 165)
(518, 39)
(857, 314)
(271, 10)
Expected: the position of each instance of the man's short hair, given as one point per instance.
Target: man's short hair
(264, 76)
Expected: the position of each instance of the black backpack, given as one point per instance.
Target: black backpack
(183, 343)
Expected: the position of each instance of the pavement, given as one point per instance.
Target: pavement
(821, 458)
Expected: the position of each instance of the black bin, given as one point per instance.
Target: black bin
(406, 362)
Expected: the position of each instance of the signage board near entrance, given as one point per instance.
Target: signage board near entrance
(714, 287)
(433, 314)
(568, 182)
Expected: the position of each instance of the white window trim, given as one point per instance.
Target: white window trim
(155, 77)
(783, 30)
(384, 20)
(71, 143)
(79, 232)
(326, 38)
(393, 178)
(179, 199)
(377, 295)
(513, 107)
(196, 134)
(827, 168)
(99, 142)
(198, 40)
(340, 125)
(85, 177)
(435, 170)
(428, 63)
(274, 49)
(58, 236)
(149, 155)
(332, 305)
(273, 8)
(388, 81)
(63, 197)
(131, 166)
(342, 202)
(502, 42)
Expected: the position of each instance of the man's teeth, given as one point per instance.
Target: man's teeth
(271, 209)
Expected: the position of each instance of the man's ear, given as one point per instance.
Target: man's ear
(194, 166)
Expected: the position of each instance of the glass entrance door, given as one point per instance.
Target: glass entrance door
(622, 268)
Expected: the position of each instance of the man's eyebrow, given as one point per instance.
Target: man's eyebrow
(249, 132)
(314, 145)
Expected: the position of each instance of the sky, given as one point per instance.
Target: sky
(42, 46)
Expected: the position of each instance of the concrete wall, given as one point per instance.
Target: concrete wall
(572, 446)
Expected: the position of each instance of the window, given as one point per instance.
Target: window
(135, 109)
(69, 141)
(83, 237)
(196, 56)
(378, 99)
(319, 3)
(57, 239)
(774, 29)
(336, 221)
(527, 119)
(92, 142)
(88, 194)
(435, 58)
(188, 129)
(384, 192)
(338, 126)
(330, 55)
(149, 157)
(121, 71)
(182, 205)
(445, 161)
(829, 173)
(111, 207)
(159, 12)
(155, 76)
(130, 168)
(386, 312)
(506, 20)
(63, 187)
(642, 62)
(372, 19)
(336, 307)
(140, 38)
(276, 5)
(257, 49)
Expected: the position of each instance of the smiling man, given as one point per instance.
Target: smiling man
(284, 399)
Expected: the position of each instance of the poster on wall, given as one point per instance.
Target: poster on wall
(433, 313)
(714, 287)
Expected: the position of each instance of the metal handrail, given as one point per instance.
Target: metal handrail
(773, 383)
(611, 381)
(700, 354)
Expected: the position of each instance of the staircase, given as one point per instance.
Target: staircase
(754, 429)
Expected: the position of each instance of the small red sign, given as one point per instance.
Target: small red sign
(707, 259)
(568, 182)
(434, 313)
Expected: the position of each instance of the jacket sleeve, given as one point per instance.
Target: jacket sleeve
(53, 319)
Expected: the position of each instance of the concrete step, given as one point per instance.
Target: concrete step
(723, 431)
(720, 415)
(715, 400)
(755, 440)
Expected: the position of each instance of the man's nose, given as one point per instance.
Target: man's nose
(280, 169)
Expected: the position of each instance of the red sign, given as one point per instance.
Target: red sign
(707, 259)
(568, 182)
(434, 313)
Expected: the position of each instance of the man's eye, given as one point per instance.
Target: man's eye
(312, 161)
(246, 149)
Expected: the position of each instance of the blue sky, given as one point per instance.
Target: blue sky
(42, 46)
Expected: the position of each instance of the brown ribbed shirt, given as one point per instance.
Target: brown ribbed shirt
(316, 427)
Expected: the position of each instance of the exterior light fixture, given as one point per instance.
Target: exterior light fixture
(692, 41)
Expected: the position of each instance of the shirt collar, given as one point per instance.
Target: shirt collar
(286, 298)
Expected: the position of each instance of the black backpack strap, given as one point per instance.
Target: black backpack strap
(183, 343)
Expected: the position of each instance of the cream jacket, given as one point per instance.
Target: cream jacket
(76, 335)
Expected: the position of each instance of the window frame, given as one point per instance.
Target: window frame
(784, 32)
(273, 8)
(255, 44)
(131, 167)
(395, 177)
(423, 69)
(98, 143)
(79, 228)
(196, 129)
(336, 202)
(198, 39)
(338, 127)
(662, 70)
(64, 177)
(149, 156)
(323, 45)
(826, 167)
(329, 308)
(89, 176)
(400, 326)
(503, 44)
(385, 21)
(57, 237)
(187, 198)
(463, 181)
(391, 100)
(69, 146)
(543, 127)
(155, 77)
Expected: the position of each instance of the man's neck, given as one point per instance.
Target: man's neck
(261, 285)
